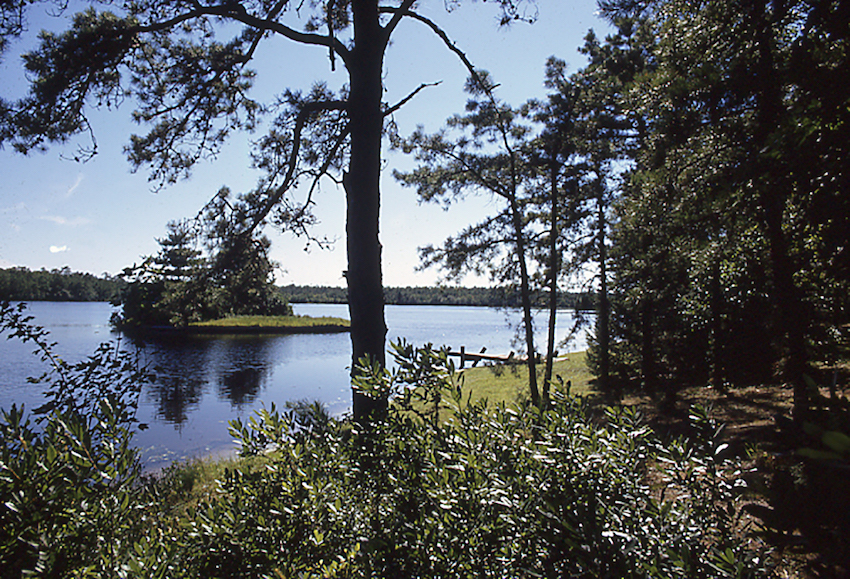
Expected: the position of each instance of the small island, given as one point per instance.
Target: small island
(228, 290)
(271, 325)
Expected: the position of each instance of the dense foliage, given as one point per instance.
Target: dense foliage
(707, 166)
(72, 505)
(59, 285)
(183, 283)
(479, 492)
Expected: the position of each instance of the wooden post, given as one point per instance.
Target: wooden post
(462, 356)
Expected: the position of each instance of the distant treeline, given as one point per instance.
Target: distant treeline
(58, 285)
(435, 296)
(21, 284)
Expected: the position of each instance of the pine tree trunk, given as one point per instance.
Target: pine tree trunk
(716, 325)
(603, 330)
(554, 272)
(525, 298)
(788, 306)
(361, 182)
(773, 195)
(647, 354)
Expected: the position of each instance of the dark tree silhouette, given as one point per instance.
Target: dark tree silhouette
(193, 91)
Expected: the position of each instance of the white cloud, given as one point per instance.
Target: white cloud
(76, 184)
(55, 249)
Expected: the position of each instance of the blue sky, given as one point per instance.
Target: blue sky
(100, 217)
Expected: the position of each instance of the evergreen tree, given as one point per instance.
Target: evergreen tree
(485, 151)
(747, 138)
(181, 285)
(193, 91)
(602, 136)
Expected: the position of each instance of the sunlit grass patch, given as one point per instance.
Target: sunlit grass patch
(185, 484)
(273, 322)
(509, 383)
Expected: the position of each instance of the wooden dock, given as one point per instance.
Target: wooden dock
(479, 356)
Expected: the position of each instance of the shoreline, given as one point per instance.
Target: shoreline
(237, 330)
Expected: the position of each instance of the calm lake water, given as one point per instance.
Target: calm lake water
(203, 382)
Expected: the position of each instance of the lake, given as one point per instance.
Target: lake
(203, 382)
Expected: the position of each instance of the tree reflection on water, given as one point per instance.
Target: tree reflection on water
(185, 367)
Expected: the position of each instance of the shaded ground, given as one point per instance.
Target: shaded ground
(800, 506)
(749, 413)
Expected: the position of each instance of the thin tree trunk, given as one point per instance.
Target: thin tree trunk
(788, 307)
(773, 197)
(603, 330)
(716, 345)
(361, 182)
(554, 272)
(647, 355)
(525, 298)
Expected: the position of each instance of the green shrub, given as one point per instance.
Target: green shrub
(479, 491)
(490, 492)
(70, 492)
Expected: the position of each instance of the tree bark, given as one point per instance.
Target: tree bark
(554, 272)
(525, 298)
(716, 346)
(603, 331)
(788, 305)
(647, 352)
(772, 197)
(362, 188)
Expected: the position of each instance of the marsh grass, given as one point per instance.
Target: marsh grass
(184, 484)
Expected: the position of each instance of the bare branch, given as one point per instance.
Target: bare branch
(238, 13)
(331, 38)
(436, 29)
(398, 14)
(407, 99)
(317, 175)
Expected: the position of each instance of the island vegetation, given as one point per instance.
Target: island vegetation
(270, 325)
(201, 273)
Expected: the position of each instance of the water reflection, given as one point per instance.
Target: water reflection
(237, 368)
(241, 386)
(175, 397)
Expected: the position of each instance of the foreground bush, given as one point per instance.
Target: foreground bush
(490, 492)
(469, 491)
(71, 498)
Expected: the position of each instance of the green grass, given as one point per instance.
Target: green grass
(273, 322)
(186, 484)
(509, 383)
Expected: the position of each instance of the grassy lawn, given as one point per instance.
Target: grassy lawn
(509, 383)
(272, 322)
